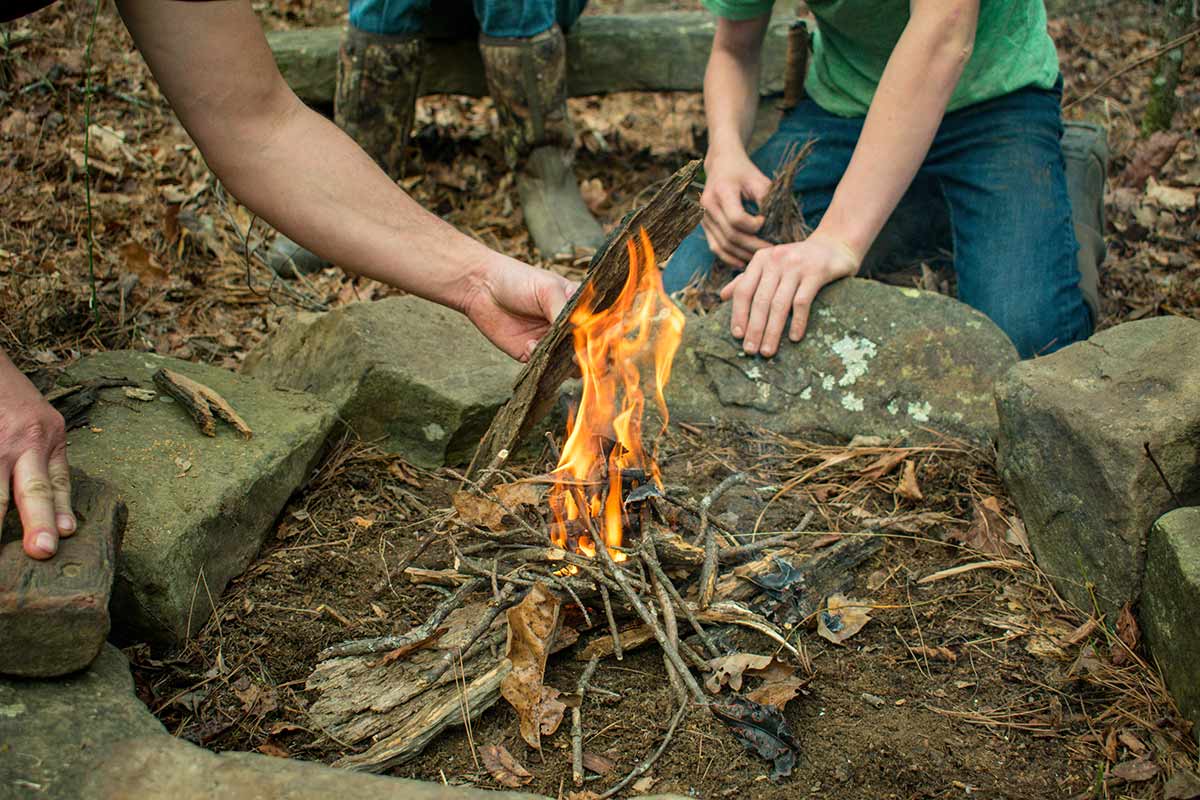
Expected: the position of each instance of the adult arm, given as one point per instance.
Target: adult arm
(307, 178)
(33, 463)
(730, 103)
(904, 116)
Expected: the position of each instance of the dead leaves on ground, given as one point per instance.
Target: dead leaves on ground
(532, 625)
(842, 618)
(503, 767)
(993, 532)
(475, 509)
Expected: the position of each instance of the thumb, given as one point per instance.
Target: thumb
(556, 296)
(757, 186)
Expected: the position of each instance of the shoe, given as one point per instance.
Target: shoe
(527, 80)
(378, 78)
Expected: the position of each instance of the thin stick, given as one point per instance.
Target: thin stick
(383, 644)
(1162, 475)
(1174, 44)
(587, 618)
(659, 634)
(657, 570)
(577, 722)
(644, 767)
(447, 658)
(612, 622)
(671, 627)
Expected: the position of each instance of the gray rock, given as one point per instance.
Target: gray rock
(54, 613)
(1072, 431)
(413, 376)
(876, 360)
(88, 737)
(199, 507)
(1170, 603)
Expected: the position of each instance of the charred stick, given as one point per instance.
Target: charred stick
(731, 555)
(577, 723)
(657, 570)
(448, 657)
(383, 644)
(648, 618)
(612, 622)
(644, 767)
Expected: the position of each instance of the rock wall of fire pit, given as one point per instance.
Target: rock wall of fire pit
(877, 360)
(413, 376)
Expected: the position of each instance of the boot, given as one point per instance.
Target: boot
(1085, 150)
(527, 79)
(375, 102)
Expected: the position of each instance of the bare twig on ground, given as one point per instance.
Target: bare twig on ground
(577, 722)
(644, 767)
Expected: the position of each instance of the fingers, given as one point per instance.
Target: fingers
(728, 227)
(34, 496)
(742, 290)
(779, 307)
(760, 310)
(60, 484)
(801, 306)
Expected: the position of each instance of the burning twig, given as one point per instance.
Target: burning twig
(577, 722)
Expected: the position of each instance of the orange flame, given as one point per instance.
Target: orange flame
(613, 347)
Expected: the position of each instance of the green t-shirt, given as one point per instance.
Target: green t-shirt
(854, 39)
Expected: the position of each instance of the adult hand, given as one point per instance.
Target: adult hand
(33, 461)
(515, 304)
(729, 228)
(784, 280)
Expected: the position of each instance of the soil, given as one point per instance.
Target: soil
(1016, 705)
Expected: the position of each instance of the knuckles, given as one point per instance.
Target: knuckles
(46, 431)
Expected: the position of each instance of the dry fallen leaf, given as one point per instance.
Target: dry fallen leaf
(274, 749)
(142, 395)
(908, 488)
(1149, 157)
(141, 262)
(1183, 785)
(521, 493)
(643, 784)
(476, 510)
(1128, 635)
(883, 465)
(503, 767)
(729, 669)
(936, 653)
(362, 522)
(842, 618)
(594, 762)
(532, 626)
(1169, 197)
(1135, 770)
(988, 530)
(778, 693)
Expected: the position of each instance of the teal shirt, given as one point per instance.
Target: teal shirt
(854, 39)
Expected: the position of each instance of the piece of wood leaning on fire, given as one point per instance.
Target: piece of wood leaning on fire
(297, 171)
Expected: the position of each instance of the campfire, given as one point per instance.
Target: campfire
(619, 349)
(597, 554)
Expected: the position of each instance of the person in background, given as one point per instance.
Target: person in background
(963, 94)
(303, 175)
(525, 63)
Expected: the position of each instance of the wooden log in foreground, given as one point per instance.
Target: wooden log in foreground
(610, 53)
(668, 217)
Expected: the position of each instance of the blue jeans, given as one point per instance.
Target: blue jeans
(999, 167)
(501, 19)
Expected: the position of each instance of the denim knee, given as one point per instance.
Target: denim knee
(691, 259)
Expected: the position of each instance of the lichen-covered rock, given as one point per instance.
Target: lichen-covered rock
(1074, 428)
(876, 360)
(411, 376)
(199, 507)
(1170, 603)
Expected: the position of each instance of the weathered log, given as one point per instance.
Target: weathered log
(825, 572)
(669, 216)
(609, 53)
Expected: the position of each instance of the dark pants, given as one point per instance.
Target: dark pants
(998, 166)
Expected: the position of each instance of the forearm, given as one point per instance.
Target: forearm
(901, 123)
(731, 84)
(307, 178)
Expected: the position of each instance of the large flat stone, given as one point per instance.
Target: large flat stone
(88, 737)
(1073, 430)
(199, 507)
(411, 376)
(876, 360)
(1171, 604)
(54, 613)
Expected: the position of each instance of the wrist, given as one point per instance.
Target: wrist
(846, 258)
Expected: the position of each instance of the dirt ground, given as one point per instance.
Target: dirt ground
(980, 684)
